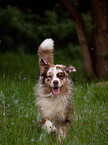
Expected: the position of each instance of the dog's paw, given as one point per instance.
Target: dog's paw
(49, 127)
(54, 130)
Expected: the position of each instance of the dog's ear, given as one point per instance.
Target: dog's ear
(69, 69)
(42, 62)
(44, 66)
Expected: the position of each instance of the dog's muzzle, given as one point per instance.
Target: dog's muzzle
(55, 89)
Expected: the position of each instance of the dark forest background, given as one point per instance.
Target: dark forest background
(79, 29)
(73, 24)
(25, 24)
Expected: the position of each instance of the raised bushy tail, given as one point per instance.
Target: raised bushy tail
(45, 52)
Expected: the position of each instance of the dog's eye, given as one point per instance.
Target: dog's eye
(61, 75)
(48, 78)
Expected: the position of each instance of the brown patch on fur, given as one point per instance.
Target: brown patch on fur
(62, 79)
(47, 89)
(43, 68)
(46, 55)
(47, 83)
(61, 75)
(48, 79)
(64, 89)
(43, 121)
(58, 67)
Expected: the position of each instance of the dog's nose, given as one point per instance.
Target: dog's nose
(55, 82)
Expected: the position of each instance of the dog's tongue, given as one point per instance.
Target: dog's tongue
(55, 91)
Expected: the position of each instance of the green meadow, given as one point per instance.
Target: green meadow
(18, 124)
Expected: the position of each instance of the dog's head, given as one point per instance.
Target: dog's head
(55, 76)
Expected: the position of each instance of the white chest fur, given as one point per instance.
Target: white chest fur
(53, 107)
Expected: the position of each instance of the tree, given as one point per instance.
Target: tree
(100, 36)
(98, 63)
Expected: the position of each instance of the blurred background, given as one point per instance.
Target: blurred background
(79, 29)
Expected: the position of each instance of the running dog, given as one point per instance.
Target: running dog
(53, 92)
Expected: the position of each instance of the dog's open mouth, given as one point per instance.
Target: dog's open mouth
(55, 90)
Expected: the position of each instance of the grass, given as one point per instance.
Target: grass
(18, 124)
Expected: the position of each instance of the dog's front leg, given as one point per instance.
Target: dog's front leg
(48, 126)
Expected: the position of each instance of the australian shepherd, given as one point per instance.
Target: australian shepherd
(53, 92)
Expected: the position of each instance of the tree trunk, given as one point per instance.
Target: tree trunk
(100, 37)
(82, 36)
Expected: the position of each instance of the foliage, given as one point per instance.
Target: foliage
(18, 124)
(25, 31)
(16, 30)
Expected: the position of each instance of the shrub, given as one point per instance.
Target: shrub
(24, 31)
